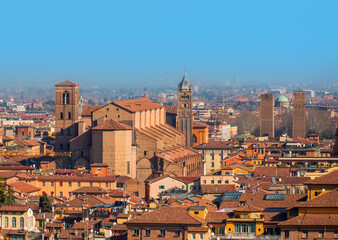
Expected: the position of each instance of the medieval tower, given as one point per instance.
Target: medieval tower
(298, 114)
(184, 119)
(267, 126)
(66, 113)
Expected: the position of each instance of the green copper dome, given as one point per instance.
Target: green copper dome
(282, 99)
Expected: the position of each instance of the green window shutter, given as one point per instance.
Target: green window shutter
(237, 228)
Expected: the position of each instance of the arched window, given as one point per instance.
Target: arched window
(61, 131)
(194, 138)
(14, 222)
(61, 115)
(65, 97)
(69, 115)
(61, 146)
(6, 221)
(22, 222)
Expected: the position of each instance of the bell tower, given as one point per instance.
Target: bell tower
(184, 119)
(66, 113)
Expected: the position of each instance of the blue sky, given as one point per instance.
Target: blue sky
(150, 43)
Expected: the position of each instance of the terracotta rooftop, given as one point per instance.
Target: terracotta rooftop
(167, 215)
(66, 83)
(13, 208)
(23, 187)
(112, 125)
(171, 109)
(87, 224)
(330, 179)
(217, 217)
(229, 204)
(7, 138)
(138, 104)
(217, 188)
(28, 143)
(265, 171)
(196, 124)
(91, 190)
(326, 200)
(87, 110)
(257, 199)
(312, 220)
(216, 144)
(248, 208)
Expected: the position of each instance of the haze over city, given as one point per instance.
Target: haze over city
(151, 43)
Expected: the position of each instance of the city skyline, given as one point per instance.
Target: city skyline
(150, 44)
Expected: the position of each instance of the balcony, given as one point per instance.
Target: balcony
(244, 236)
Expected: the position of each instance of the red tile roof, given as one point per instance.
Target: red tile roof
(257, 199)
(87, 110)
(199, 125)
(112, 125)
(265, 171)
(171, 109)
(326, 200)
(216, 144)
(229, 204)
(248, 208)
(312, 220)
(66, 83)
(217, 188)
(23, 187)
(90, 190)
(138, 104)
(167, 215)
(14, 208)
(330, 179)
(217, 217)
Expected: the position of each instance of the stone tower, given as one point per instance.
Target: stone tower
(267, 125)
(184, 119)
(298, 129)
(66, 113)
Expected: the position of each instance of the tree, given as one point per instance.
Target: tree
(247, 121)
(6, 198)
(45, 204)
(320, 122)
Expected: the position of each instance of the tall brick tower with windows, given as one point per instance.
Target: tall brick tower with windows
(66, 114)
(267, 124)
(184, 119)
(298, 114)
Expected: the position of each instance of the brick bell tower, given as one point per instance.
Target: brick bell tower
(66, 113)
(184, 119)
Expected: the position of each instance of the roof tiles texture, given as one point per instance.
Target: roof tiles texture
(112, 125)
(138, 104)
(167, 215)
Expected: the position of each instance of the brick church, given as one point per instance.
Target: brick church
(130, 136)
